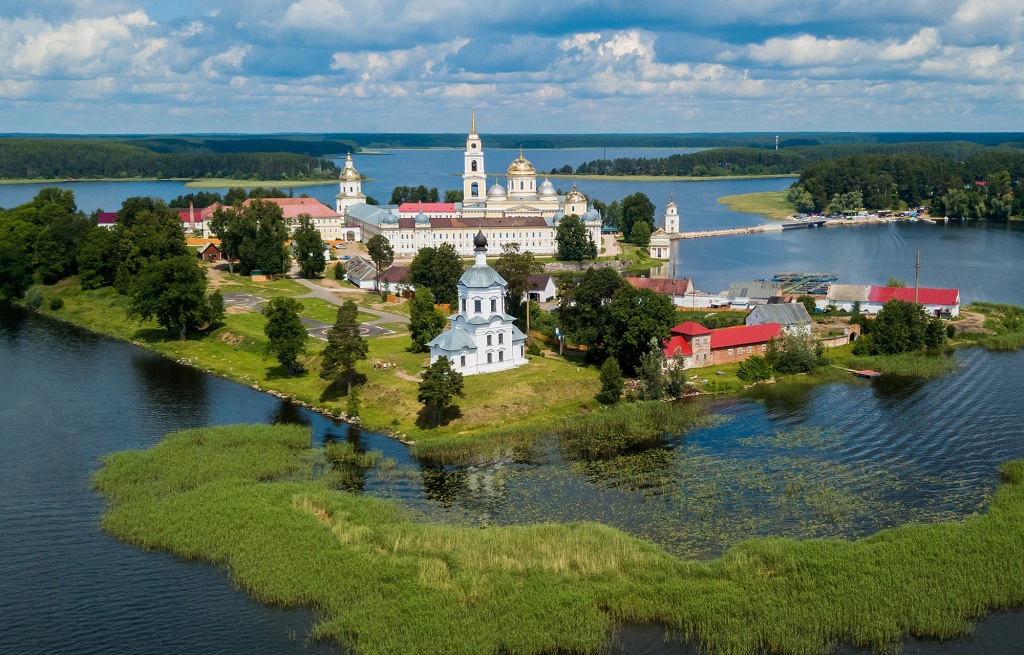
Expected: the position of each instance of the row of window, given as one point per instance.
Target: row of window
(750, 349)
(477, 307)
(490, 355)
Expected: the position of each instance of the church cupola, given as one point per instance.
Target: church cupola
(350, 184)
(671, 216)
(575, 202)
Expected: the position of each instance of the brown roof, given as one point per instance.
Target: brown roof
(661, 284)
(507, 221)
(538, 281)
(395, 274)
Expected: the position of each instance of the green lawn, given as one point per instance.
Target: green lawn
(770, 204)
(543, 390)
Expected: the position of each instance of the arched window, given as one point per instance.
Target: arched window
(501, 338)
(488, 358)
(501, 355)
(476, 305)
(472, 166)
(520, 185)
(488, 339)
(474, 190)
(463, 305)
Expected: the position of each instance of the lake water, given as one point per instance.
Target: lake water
(868, 455)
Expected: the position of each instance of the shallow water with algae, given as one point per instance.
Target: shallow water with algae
(841, 460)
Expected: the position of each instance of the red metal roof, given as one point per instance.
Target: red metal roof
(674, 343)
(197, 214)
(743, 335)
(427, 207)
(925, 296)
(106, 218)
(690, 329)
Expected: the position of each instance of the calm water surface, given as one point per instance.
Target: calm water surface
(865, 456)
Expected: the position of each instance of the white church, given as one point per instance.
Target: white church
(482, 338)
(521, 211)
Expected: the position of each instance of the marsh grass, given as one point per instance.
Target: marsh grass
(770, 204)
(918, 364)
(626, 426)
(381, 584)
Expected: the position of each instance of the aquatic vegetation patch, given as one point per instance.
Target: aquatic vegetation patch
(915, 364)
(237, 496)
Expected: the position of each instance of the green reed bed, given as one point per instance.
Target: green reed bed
(626, 426)
(235, 496)
(917, 364)
(1005, 342)
(597, 434)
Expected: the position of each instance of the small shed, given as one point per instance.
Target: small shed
(541, 287)
(361, 272)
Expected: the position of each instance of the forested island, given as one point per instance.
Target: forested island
(747, 161)
(60, 159)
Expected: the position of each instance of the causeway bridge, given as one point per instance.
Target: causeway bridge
(767, 227)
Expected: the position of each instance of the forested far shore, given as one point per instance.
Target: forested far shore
(59, 159)
(984, 185)
(718, 162)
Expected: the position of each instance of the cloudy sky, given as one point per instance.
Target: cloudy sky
(113, 66)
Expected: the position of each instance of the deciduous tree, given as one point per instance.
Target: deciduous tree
(440, 269)
(573, 239)
(516, 268)
(172, 291)
(635, 209)
(611, 382)
(309, 248)
(381, 253)
(425, 321)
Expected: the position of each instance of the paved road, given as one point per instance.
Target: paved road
(315, 328)
(317, 291)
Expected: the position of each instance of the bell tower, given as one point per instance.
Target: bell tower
(671, 217)
(474, 180)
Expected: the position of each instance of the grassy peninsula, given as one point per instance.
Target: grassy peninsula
(245, 497)
(770, 204)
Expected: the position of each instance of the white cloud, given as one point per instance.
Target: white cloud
(808, 50)
(79, 48)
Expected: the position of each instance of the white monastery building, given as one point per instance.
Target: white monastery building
(661, 239)
(521, 211)
(482, 338)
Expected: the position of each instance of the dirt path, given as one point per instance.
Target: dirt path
(971, 322)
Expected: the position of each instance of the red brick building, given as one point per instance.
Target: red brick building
(692, 345)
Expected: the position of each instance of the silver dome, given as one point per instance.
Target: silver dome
(421, 219)
(546, 189)
(496, 191)
(390, 219)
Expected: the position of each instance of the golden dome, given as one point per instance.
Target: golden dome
(574, 195)
(521, 166)
(349, 173)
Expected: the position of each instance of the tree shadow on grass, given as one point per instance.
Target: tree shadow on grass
(281, 372)
(154, 335)
(339, 388)
(427, 416)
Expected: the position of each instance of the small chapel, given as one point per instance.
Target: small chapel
(482, 338)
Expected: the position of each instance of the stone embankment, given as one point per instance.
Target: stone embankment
(768, 227)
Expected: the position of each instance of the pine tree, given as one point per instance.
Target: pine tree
(441, 384)
(345, 346)
(285, 331)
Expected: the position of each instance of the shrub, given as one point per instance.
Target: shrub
(534, 348)
(754, 369)
(34, 298)
(56, 303)
(611, 382)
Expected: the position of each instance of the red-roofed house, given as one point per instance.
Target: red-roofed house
(106, 219)
(327, 221)
(693, 345)
(937, 302)
(674, 289)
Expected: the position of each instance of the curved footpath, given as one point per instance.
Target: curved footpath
(317, 291)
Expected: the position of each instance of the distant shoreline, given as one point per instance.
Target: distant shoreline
(664, 178)
(191, 183)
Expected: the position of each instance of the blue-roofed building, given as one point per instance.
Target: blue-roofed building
(481, 337)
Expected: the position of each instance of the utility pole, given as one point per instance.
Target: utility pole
(917, 275)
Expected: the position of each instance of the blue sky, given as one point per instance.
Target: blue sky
(113, 66)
